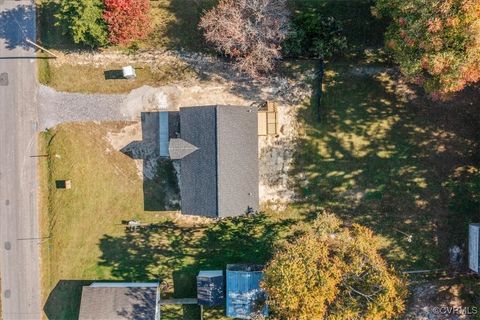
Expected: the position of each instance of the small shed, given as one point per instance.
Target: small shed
(245, 297)
(210, 288)
(474, 247)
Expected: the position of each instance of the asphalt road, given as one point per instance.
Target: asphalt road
(19, 235)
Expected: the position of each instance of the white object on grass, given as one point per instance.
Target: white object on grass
(128, 72)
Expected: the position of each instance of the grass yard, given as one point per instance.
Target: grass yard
(402, 168)
(408, 169)
(401, 165)
(87, 240)
(109, 79)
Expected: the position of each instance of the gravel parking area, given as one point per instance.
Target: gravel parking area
(58, 107)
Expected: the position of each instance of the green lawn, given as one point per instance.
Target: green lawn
(401, 168)
(87, 239)
(391, 164)
(108, 79)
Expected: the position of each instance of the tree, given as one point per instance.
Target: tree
(250, 31)
(315, 36)
(435, 42)
(82, 20)
(127, 20)
(333, 272)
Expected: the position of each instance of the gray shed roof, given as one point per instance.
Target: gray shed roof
(219, 179)
(118, 303)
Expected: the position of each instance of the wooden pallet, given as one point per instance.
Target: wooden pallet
(268, 119)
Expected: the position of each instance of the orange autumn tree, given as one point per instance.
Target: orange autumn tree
(127, 20)
(435, 42)
(335, 273)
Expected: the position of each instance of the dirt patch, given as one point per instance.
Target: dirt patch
(276, 160)
(172, 97)
(439, 300)
(120, 141)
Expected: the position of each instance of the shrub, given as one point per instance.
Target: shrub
(82, 20)
(333, 272)
(315, 36)
(250, 31)
(127, 20)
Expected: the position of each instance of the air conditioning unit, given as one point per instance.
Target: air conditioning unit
(474, 247)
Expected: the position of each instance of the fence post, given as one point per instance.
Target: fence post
(318, 91)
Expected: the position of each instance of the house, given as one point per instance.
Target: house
(217, 147)
(117, 301)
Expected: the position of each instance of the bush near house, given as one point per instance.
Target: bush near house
(314, 36)
(127, 20)
(435, 42)
(333, 272)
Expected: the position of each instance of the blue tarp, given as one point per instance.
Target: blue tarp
(245, 298)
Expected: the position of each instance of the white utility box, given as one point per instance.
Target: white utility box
(474, 247)
(128, 72)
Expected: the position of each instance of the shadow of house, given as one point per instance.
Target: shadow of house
(17, 25)
(177, 252)
(160, 186)
(63, 302)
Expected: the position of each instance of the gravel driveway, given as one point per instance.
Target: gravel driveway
(57, 107)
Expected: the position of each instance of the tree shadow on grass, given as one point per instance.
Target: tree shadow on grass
(175, 253)
(179, 29)
(381, 157)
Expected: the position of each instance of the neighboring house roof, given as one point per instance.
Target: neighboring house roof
(118, 301)
(220, 178)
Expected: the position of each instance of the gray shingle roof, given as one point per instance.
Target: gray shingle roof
(179, 148)
(220, 179)
(237, 164)
(118, 303)
(198, 175)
